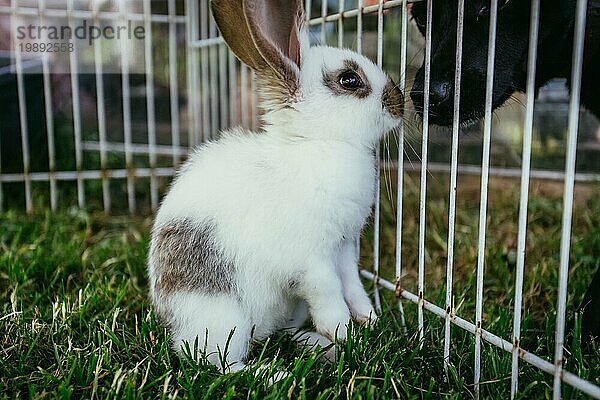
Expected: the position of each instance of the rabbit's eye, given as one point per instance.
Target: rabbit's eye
(350, 80)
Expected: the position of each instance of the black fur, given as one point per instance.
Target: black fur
(555, 48)
(512, 41)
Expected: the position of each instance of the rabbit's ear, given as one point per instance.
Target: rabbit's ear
(266, 35)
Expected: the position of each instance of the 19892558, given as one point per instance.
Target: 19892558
(46, 47)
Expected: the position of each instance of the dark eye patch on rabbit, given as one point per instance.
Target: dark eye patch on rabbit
(186, 258)
(339, 81)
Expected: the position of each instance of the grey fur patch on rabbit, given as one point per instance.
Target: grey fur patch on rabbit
(187, 259)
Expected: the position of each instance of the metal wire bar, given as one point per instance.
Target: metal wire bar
(501, 172)
(223, 93)
(376, 212)
(150, 107)
(49, 115)
(22, 114)
(324, 11)
(244, 94)
(74, 65)
(233, 91)
(254, 100)
(341, 6)
(136, 148)
(100, 107)
(524, 194)
(205, 86)
(87, 174)
(400, 173)
(209, 42)
(359, 11)
(173, 83)
(359, 49)
(191, 109)
(359, 25)
(127, 115)
(453, 175)
(194, 109)
(214, 76)
(565, 240)
(538, 362)
(423, 192)
(485, 165)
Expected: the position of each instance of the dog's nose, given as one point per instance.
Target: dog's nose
(439, 93)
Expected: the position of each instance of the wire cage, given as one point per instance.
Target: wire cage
(108, 123)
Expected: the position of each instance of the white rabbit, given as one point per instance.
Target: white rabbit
(259, 228)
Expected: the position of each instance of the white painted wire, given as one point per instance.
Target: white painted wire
(198, 111)
(244, 95)
(341, 7)
(524, 194)
(223, 93)
(565, 240)
(131, 201)
(49, 115)
(377, 210)
(359, 26)
(173, 83)
(150, 106)
(213, 60)
(493, 339)
(423, 193)
(100, 108)
(72, 176)
(359, 35)
(453, 178)
(204, 58)
(324, 10)
(233, 91)
(74, 65)
(308, 9)
(22, 113)
(190, 73)
(356, 12)
(505, 172)
(400, 170)
(485, 165)
(254, 100)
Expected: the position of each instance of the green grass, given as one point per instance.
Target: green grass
(76, 319)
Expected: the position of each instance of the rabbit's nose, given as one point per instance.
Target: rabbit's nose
(393, 99)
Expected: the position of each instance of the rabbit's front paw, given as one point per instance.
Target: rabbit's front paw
(367, 318)
(334, 327)
(362, 310)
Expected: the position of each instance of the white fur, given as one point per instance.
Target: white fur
(288, 204)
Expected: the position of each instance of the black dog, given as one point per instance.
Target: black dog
(555, 49)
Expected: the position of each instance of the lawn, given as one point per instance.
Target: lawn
(76, 319)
